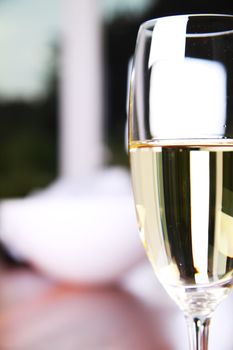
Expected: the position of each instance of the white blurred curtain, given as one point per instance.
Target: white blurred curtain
(81, 110)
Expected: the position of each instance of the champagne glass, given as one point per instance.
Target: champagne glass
(181, 156)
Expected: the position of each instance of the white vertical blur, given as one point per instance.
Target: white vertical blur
(199, 172)
(81, 120)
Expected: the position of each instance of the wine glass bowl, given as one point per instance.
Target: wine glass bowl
(181, 156)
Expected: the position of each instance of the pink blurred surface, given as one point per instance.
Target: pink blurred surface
(37, 313)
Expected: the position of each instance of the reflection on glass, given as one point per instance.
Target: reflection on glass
(175, 89)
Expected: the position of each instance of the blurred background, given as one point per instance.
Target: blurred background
(37, 42)
(63, 86)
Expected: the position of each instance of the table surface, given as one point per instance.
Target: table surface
(40, 314)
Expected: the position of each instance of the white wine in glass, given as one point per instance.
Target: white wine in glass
(181, 156)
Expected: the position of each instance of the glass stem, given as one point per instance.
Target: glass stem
(198, 332)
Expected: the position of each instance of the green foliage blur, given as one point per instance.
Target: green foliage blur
(28, 144)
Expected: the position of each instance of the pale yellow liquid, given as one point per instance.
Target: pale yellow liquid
(184, 204)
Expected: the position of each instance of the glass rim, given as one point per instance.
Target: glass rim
(149, 24)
